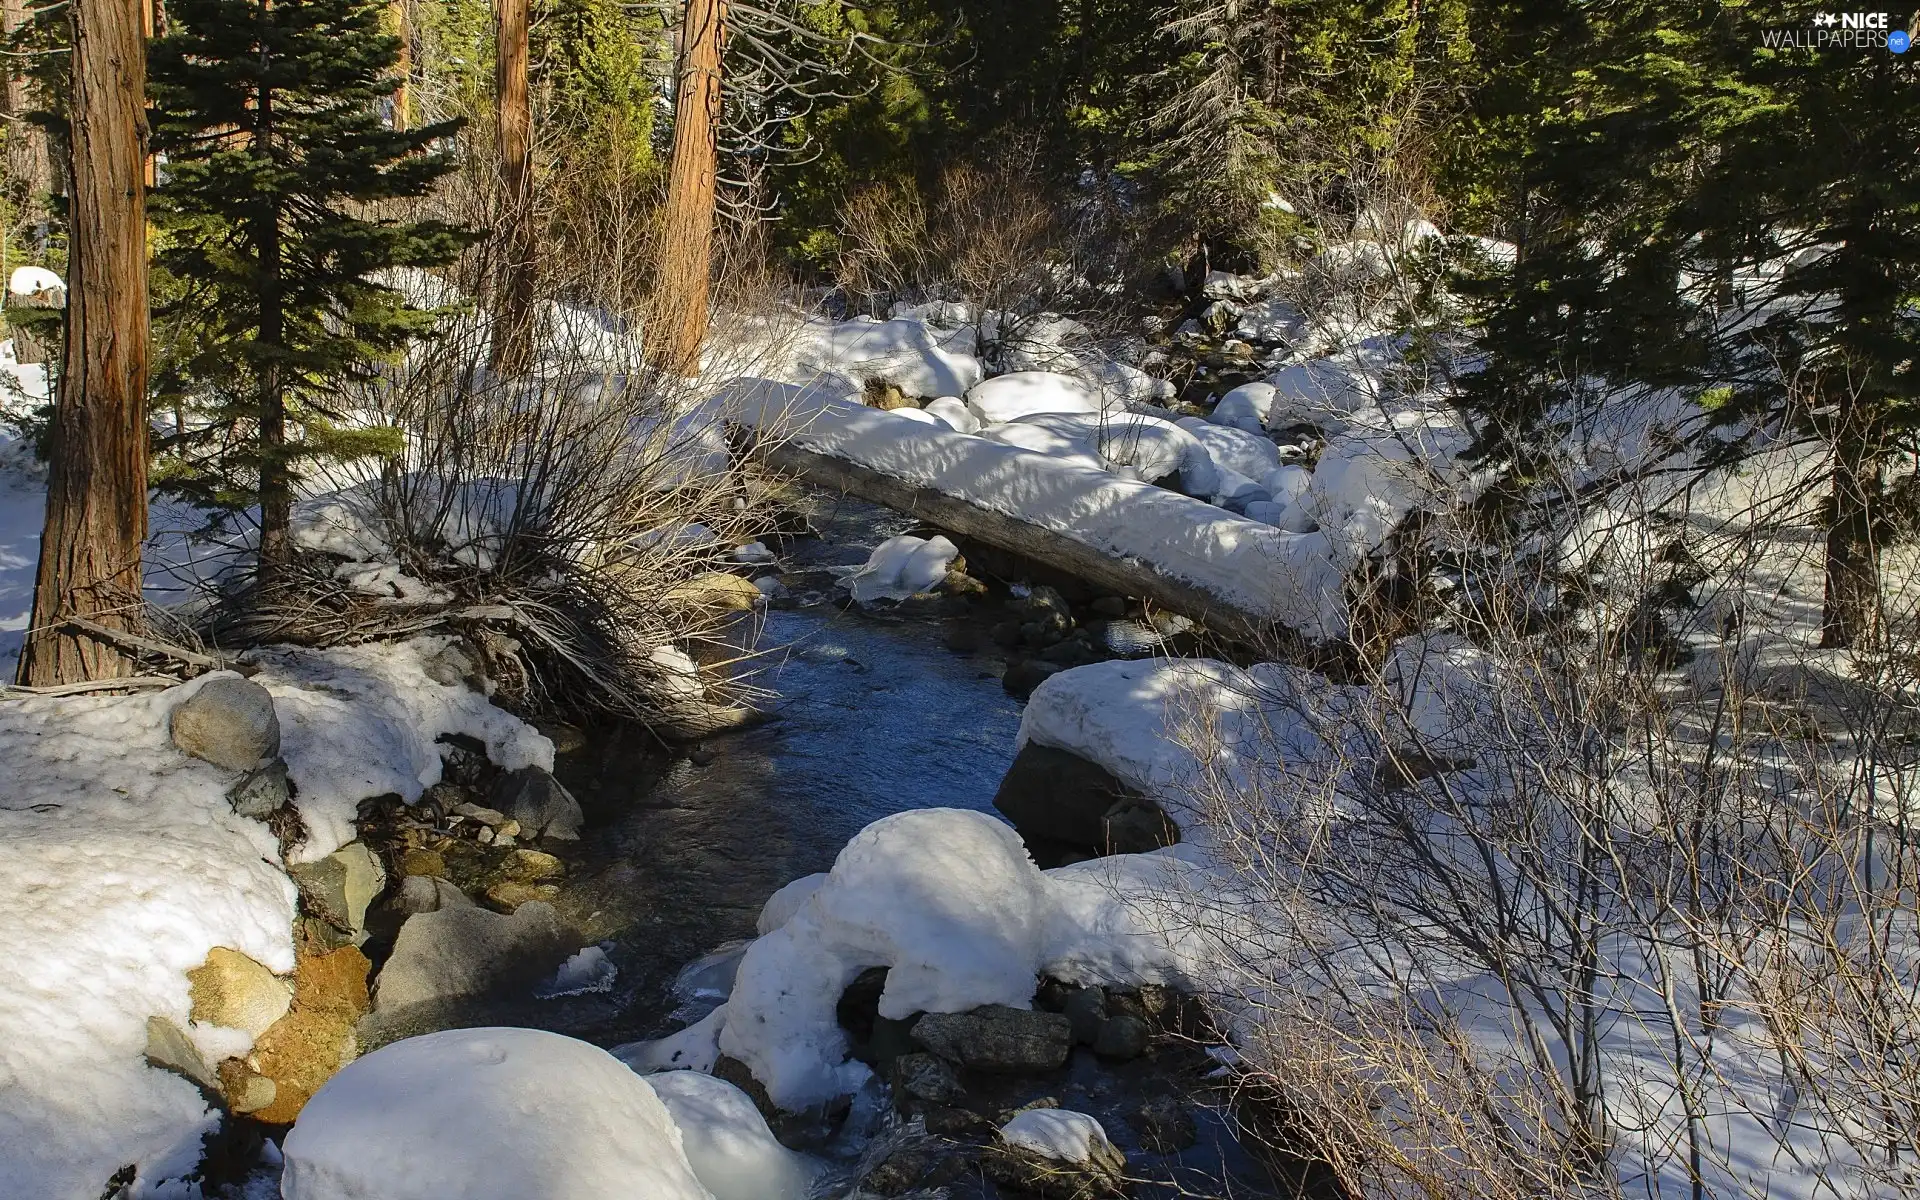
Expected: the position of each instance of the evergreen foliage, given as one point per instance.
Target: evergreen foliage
(277, 163)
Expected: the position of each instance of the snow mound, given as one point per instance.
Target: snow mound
(1027, 393)
(902, 566)
(948, 900)
(1244, 408)
(727, 1141)
(904, 352)
(954, 414)
(1323, 391)
(1249, 453)
(1130, 446)
(361, 721)
(487, 1114)
(1055, 1133)
(123, 866)
(1368, 480)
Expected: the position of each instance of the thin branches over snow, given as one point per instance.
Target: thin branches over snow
(1610, 896)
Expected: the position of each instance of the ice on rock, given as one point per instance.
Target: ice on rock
(954, 414)
(1026, 393)
(590, 970)
(1250, 453)
(902, 566)
(727, 1141)
(695, 1048)
(1245, 408)
(1056, 1133)
(487, 1114)
(947, 899)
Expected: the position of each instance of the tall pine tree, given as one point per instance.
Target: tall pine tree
(269, 115)
(1683, 162)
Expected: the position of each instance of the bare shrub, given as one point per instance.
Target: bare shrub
(1606, 887)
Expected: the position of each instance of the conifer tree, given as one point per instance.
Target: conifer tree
(277, 160)
(1686, 159)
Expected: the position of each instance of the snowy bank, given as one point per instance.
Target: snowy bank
(1186, 553)
(124, 866)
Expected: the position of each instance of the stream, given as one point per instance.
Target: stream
(877, 713)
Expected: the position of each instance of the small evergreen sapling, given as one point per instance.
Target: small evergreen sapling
(278, 161)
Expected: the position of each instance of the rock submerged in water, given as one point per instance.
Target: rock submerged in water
(229, 722)
(997, 1038)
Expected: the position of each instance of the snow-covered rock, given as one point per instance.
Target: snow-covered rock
(954, 413)
(1245, 407)
(362, 721)
(727, 1141)
(781, 906)
(1056, 1133)
(1223, 285)
(905, 353)
(1024, 393)
(1367, 481)
(903, 566)
(1131, 446)
(487, 1114)
(1236, 449)
(948, 900)
(1322, 391)
(1269, 322)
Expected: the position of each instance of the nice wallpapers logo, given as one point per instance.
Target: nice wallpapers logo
(1842, 31)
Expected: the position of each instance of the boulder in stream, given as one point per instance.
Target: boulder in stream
(996, 1037)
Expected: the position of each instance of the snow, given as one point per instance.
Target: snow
(1323, 391)
(905, 353)
(124, 866)
(954, 413)
(25, 281)
(1055, 1133)
(1248, 566)
(487, 1114)
(695, 1048)
(1236, 449)
(781, 906)
(362, 721)
(1245, 408)
(948, 900)
(1129, 445)
(1026, 393)
(727, 1141)
(903, 566)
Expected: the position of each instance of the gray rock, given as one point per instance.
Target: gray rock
(1123, 1038)
(1026, 674)
(1058, 799)
(169, 1049)
(927, 1079)
(536, 800)
(913, 1162)
(1163, 1124)
(229, 722)
(1136, 825)
(427, 893)
(339, 887)
(261, 792)
(998, 1038)
(465, 950)
(1086, 1011)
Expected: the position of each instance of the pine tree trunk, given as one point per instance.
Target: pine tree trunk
(513, 328)
(29, 170)
(97, 485)
(678, 316)
(276, 484)
(399, 19)
(1852, 599)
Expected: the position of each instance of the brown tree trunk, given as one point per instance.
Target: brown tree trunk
(678, 318)
(276, 479)
(97, 486)
(1852, 601)
(29, 171)
(402, 28)
(513, 318)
